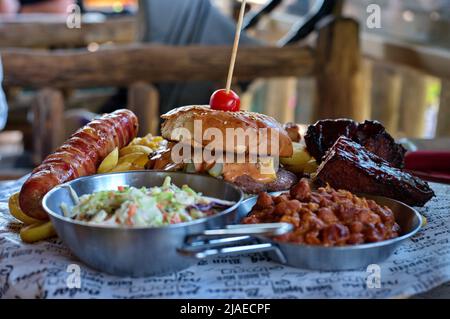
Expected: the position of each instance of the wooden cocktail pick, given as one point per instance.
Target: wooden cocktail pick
(226, 99)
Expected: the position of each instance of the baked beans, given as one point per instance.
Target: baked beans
(325, 217)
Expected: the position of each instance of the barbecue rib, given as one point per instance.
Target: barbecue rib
(370, 134)
(349, 166)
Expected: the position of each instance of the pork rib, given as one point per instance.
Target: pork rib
(370, 134)
(349, 166)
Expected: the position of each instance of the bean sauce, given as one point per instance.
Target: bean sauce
(325, 217)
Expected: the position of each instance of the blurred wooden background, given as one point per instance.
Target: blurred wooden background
(341, 70)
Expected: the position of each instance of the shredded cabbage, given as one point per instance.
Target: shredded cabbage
(152, 207)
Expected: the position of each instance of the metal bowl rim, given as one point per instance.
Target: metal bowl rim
(121, 227)
(384, 243)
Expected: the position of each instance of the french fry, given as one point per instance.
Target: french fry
(135, 149)
(16, 211)
(36, 232)
(109, 162)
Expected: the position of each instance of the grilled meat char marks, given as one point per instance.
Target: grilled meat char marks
(370, 134)
(350, 166)
(79, 156)
(320, 137)
(373, 136)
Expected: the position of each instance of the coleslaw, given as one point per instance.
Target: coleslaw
(153, 207)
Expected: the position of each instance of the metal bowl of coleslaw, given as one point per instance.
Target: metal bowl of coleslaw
(129, 242)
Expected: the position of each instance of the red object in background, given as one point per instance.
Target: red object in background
(430, 165)
(223, 101)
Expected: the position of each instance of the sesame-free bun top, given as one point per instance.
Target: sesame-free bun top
(184, 117)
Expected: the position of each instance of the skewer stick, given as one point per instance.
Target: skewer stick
(235, 46)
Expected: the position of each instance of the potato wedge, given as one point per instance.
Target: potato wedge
(36, 232)
(154, 142)
(298, 161)
(16, 211)
(294, 169)
(424, 221)
(141, 161)
(123, 167)
(109, 162)
(130, 158)
(311, 167)
(135, 149)
(136, 141)
(135, 167)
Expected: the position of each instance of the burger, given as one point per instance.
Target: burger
(243, 148)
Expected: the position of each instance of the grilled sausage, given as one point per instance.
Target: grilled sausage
(79, 156)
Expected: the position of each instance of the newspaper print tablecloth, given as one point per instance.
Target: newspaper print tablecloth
(43, 270)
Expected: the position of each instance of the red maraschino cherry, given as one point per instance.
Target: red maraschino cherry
(222, 100)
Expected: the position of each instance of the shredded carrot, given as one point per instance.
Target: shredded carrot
(175, 219)
(132, 210)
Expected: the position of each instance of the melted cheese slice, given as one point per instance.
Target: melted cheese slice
(263, 172)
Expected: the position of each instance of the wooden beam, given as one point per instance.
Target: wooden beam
(280, 98)
(386, 95)
(54, 33)
(143, 100)
(433, 61)
(364, 111)
(413, 104)
(340, 86)
(124, 65)
(48, 123)
(306, 89)
(339, 7)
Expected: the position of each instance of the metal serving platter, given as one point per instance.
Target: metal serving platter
(318, 257)
(136, 252)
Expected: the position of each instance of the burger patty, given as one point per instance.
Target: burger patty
(285, 180)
